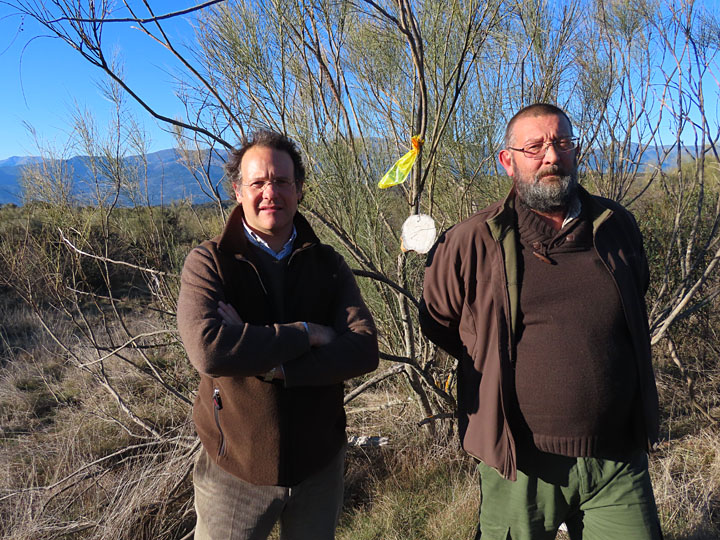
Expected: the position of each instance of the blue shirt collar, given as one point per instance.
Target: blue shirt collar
(262, 244)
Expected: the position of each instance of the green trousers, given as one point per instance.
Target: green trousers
(598, 499)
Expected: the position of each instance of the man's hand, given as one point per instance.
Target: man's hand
(228, 314)
(320, 335)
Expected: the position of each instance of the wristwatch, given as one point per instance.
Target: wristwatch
(270, 375)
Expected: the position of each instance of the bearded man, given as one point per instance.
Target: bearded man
(540, 296)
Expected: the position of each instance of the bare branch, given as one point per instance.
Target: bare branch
(372, 382)
(689, 382)
(383, 279)
(108, 260)
(128, 343)
(134, 19)
(435, 418)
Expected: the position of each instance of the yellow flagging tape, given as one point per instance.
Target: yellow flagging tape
(398, 173)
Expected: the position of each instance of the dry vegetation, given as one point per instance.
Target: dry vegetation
(79, 462)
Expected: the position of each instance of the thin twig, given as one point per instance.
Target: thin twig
(372, 382)
(435, 417)
(129, 342)
(87, 466)
(134, 19)
(689, 382)
(382, 407)
(112, 261)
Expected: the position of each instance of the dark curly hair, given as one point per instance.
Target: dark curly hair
(267, 139)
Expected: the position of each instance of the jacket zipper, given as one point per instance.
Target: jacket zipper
(217, 405)
(243, 259)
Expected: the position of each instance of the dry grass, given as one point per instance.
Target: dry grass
(423, 490)
(686, 478)
(418, 486)
(74, 466)
(72, 463)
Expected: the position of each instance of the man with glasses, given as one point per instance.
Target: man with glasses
(541, 298)
(274, 323)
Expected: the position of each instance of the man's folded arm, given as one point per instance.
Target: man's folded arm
(218, 349)
(352, 353)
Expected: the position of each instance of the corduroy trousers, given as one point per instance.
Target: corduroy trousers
(229, 508)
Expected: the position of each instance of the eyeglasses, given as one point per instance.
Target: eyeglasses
(281, 184)
(537, 150)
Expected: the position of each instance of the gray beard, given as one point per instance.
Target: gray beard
(548, 197)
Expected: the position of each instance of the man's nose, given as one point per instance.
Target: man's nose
(552, 155)
(270, 190)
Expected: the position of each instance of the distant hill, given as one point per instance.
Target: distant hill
(666, 156)
(18, 161)
(168, 179)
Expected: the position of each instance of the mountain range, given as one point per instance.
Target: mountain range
(168, 179)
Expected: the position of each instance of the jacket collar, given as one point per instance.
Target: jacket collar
(597, 211)
(502, 219)
(233, 239)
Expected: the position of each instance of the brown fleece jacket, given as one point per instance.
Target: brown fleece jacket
(270, 433)
(471, 308)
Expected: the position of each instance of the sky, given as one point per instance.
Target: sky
(44, 80)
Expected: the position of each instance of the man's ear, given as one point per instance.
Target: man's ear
(300, 193)
(236, 190)
(506, 161)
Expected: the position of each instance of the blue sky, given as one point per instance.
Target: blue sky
(44, 80)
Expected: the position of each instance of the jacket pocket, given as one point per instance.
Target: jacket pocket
(217, 406)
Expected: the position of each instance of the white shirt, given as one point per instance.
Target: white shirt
(573, 211)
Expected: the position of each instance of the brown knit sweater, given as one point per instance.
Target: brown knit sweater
(576, 379)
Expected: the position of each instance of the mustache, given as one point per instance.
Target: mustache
(551, 170)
